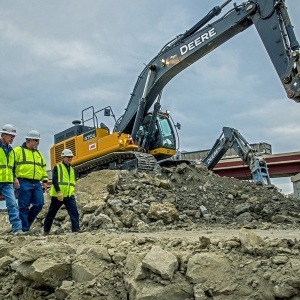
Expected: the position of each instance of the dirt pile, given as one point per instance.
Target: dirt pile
(181, 197)
(185, 233)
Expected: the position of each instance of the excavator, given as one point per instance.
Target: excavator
(232, 138)
(144, 135)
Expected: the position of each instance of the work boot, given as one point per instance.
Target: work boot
(20, 232)
(79, 231)
(46, 233)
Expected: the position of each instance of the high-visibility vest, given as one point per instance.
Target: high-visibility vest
(30, 164)
(6, 166)
(66, 181)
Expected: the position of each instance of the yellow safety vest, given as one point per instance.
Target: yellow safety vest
(30, 164)
(66, 181)
(6, 166)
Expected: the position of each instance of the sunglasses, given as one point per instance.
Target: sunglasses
(35, 140)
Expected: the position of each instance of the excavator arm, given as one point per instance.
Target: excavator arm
(272, 22)
(231, 138)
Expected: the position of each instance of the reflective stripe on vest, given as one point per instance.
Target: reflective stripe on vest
(6, 166)
(66, 182)
(30, 164)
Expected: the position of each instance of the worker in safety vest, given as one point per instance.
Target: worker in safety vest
(32, 177)
(7, 161)
(62, 192)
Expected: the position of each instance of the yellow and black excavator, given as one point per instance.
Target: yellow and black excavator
(144, 135)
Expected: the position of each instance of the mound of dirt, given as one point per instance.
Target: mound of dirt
(184, 233)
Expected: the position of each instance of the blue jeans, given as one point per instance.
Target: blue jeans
(71, 207)
(7, 191)
(31, 201)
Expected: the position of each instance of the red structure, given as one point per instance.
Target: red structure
(279, 165)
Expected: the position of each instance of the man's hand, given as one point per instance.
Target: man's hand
(44, 185)
(16, 183)
(60, 196)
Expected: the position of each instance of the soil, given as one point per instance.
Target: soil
(182, 233)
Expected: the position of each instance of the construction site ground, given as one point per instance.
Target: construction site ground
(183, 233)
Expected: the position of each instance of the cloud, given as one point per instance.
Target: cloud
(61, 56)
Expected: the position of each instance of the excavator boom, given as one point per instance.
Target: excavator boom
(272, 22)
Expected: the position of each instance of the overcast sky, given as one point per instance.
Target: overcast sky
(58, 57)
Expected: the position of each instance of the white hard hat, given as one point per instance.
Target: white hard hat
(9, 129)
(33, 135)
(67, 152)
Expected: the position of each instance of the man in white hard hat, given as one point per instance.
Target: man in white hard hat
(32, 177)
(7, 161)
(62, 192)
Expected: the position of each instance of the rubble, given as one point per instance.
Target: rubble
(184, 233)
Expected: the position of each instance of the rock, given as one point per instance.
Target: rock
(5, 248)
(64, 290)
(94, 251)
(146, 238)
(141, 272)
(48, 273)
(5, 261)
(204, 242)
(285, 291)
(201, 268)
(133, 260)
(250, 242)
(161, 262)
(280, 259)
(243, 218)
(165, 211)
(241, 208)
(82, 272)
(100, 220)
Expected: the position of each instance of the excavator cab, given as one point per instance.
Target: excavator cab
(157, 136)
(167, 137)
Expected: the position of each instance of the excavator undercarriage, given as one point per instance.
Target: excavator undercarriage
(130, 160)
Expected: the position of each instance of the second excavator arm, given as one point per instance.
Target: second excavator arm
(231, 138)
(272, 22)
